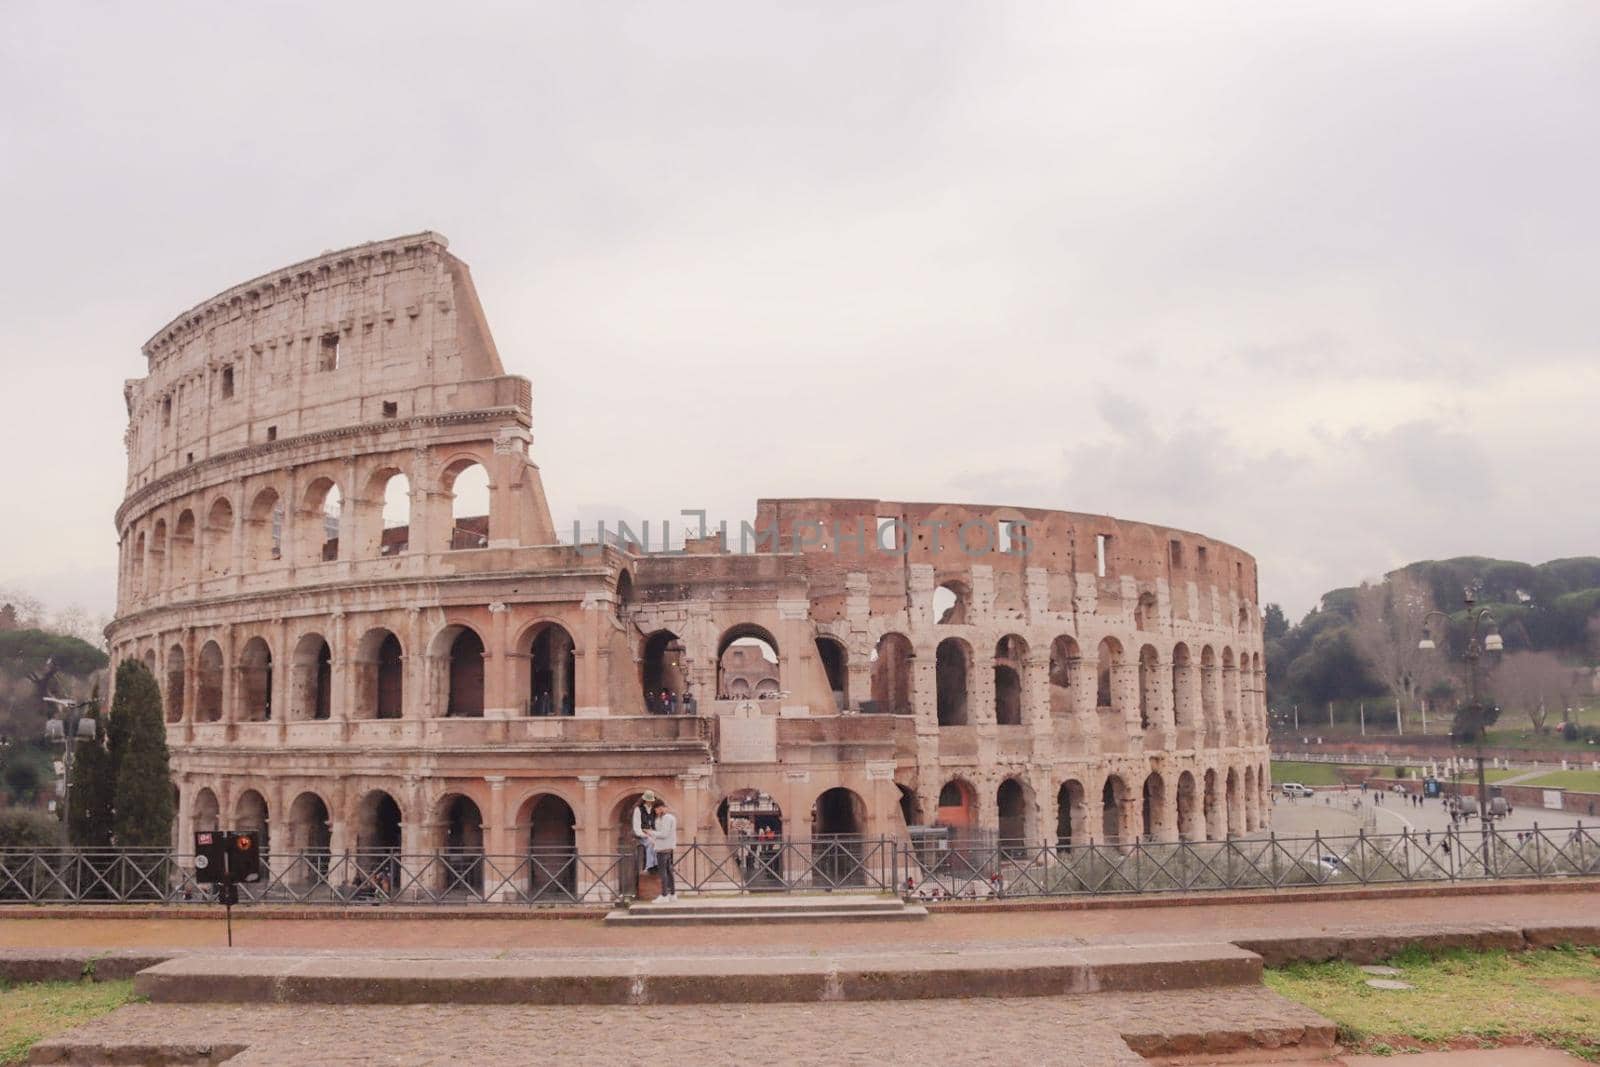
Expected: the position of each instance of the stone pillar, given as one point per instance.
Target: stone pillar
(1211, 705)
(497, 820)
(415, 697)
(1125, 697)
(230, 698)
(980, 688)
(1230, 706)
(1167, 828)
(925, 691)
(496, 698)
(1036, 694)
(689, 817)
(342, 684)
(1165, 711)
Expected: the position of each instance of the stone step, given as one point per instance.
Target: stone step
(843, 907)
(696, 979)
(663, 917)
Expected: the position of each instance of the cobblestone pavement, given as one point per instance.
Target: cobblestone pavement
(1045, 1030)
(952, 930)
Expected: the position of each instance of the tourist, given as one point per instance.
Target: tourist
(644, 822)
(665, 836)
(690, 705)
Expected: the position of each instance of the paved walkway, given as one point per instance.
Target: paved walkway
(950, 929)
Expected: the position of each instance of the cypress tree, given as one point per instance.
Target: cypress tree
(90, 791)
(143, 798)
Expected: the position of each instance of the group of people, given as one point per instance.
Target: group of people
(670, 702)
(656, 829)
(932, 891)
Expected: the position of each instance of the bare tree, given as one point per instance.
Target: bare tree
(1533, 683)
(1388, 627)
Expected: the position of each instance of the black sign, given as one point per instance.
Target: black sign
(227, 856)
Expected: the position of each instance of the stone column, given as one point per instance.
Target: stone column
(414, 698)
(342, 684)
(496, 698)
(230, 698)
(1036, 694)
(1230, 706)
(1167, 828)
(980, 687)
(1211, 705)
(1125, 697)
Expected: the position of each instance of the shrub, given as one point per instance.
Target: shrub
(26, 829)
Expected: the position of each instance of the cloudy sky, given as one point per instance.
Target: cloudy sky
(1320, 279)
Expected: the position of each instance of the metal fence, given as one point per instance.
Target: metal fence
(928, 870)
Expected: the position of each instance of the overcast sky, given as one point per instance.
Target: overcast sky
(1319, 279)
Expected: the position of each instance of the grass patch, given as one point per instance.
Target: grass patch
(1308, 773)
(33, 1011)
(1578, 781)
(1549, 997)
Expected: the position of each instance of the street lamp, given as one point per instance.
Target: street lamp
(1481, 638)
(72, 726)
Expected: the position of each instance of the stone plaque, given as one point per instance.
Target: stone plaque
(748, 740)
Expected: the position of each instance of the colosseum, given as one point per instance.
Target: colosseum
(358, 655)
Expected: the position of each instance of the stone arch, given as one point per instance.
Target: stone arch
(547, 830)
(379, 826)
(1208, 693)
(1215, 814)
(139, 549)
(157, 569)
(661, 667)
(380, 676)
(390, 487)
(1249, 798)
(1072, 814)
(209, 676)
(1154, 806)
(1065, 661)
(311, 678)
(952, 602)
(1010, 658)
(263, 535)
(552, 669)
(624, 595)
(253, 678)
(1149, 686)
(465, 484)
(1233, 803)
(175, 684)
(1116, 814)
(320, 522)
(458, 654)
(250, 813)
(747, 813)
(1108, 657)
(1183, 689)
(310, 834)
(1191, 826)
(838, 823)
(207, 812)
(892, 680)
(734, 659)
(958, 807)
(1230, 697)
(835, 660)
(1012, 802)
(457, 833)
(219, 538)
(952, 672)
(183, 548)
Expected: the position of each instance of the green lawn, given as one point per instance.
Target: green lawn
(33, 1011)
(1307, 773)
(1550, 997)
(1578, 781)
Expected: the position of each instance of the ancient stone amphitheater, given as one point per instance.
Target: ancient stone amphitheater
(356, 658)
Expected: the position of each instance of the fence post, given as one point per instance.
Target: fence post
(1538, 861)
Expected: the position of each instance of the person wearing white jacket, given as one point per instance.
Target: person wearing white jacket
(665, 836)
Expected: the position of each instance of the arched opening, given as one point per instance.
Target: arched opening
(1189, 824)
(1010, 655)
(1012, 806)
(207, 814)
(952, 661)
(460, 829)
(748, 814)
(183, 547)
(394, 489)
(549, 829)
(378, 826)
(149, 661)
(310, 833)
(1208, 692)
(552, 672)
(950, 602)
(250, 815)
(1230, 698)
(891, 674)
(1145, 613)
(1183, 688)
(311, 693)
(320, 520)
(208, 706)
(839, 819)
(1071, 814)
(1250, 800)
(1108, 657)
(464, 697)
(264, 530)
(910, 806)
(255, 681)
(380, 675)
(175, 693)
(749, 653)
(1065, 662)
(1114, 799)
(661, 668)
(1155, 806)
(624, 598)
(219, 538)
(1216, 820)
(1149, 686)
(158, 557)
(1233, 802)
(834, 659)
(466, 483)
(137, 582)
(958, 808)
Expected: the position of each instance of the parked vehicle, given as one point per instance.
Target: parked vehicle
(1295, 789)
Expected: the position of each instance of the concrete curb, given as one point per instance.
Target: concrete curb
(747, 980)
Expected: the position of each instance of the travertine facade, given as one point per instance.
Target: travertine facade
(446, 681)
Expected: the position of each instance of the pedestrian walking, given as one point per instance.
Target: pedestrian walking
(665, 836)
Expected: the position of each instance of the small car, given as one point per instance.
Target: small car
(1295, 789)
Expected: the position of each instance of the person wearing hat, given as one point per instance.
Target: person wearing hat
(644, 824)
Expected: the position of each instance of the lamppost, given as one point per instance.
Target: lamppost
(72, 726)
(1481, 638)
